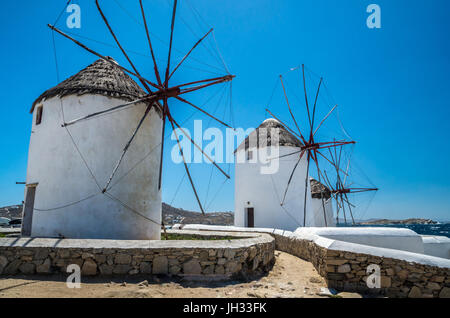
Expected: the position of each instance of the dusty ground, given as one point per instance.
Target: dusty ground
(290, 277)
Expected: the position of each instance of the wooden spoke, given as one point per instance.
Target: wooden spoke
(332, 163)
(346, 172)
(315, 103)
(344, 197)
(164, 115)
(190, 51)
(199, 148)
(306, 96)
(360, 190)
(105, 111)
(158, 77)
(166, 81)
(323, 120)
(162, 93)
(306, 188)
(290, 177)
(204, 112)
(225, 78)
(321, 191)
(122, 49)
(327, 181)
(340, 157)
(343, 210)
(99, 55)
(349, 208)
(289, 107)
(195, 88)
(287, 155)
(287, 127)
(186, 167)
(125, 149)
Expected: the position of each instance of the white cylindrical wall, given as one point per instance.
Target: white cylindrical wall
(63, 178)
(264, 192)
(317, 208)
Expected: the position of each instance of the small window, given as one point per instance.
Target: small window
(39, 115)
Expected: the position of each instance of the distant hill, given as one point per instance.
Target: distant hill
(11, 212)
(407, 221)
(171, 215)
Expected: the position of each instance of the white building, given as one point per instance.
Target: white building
(320, 199)
(258, 195)
(67, 172)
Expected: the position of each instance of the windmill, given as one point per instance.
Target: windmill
(159, 93)
(342, 188)
(311, 148)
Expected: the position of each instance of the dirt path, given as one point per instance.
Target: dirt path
(290, 277)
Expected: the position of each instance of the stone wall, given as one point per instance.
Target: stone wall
(242, 255)
(344, 265)
(347, 271)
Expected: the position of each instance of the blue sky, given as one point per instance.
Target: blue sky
(391, 84)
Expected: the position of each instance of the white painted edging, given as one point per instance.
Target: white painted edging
(332, 244)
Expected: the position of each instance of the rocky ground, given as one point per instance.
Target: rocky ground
(290, 277)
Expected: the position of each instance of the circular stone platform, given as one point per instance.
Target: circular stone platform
(214, 255)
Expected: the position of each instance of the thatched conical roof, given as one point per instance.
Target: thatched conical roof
(285, 137)
(101, 78)
(318, 189)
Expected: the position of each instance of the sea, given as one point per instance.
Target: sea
(441, 229)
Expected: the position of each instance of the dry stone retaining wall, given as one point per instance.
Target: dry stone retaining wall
(347, 271)
(243, 255)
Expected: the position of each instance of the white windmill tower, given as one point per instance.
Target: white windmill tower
(96, 150)
(63, 197)
(320, 192)
(259, 189)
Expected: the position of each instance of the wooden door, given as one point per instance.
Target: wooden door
(28, 208)
(250, 217)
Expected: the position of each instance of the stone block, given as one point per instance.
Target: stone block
(415, 292)
(160, 265)
(145, 268)
(121, 269)
(219, 270)
(433, 286)
(438, 279)
(385, 282)
(336, 262)
(122, 259)
(344, 268)
(402, 274)
(445, 293)
(192, 267)
(229, 253)
(87, 255)
(41, 254)
(12, 268)
(27, 268)
(106, 270)
(45, 267)
(175, 270)
(3, 263)
(89, 268)
(208, 270)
